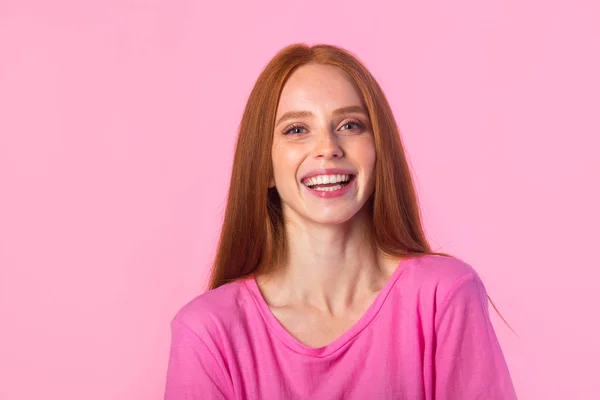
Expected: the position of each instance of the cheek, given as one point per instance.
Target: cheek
(286, 161)
(371, 157)
(365, 154)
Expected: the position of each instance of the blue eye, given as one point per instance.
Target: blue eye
(299, 129)
(356, 124)
(293, 130)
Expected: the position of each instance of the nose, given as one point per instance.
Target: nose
(327, 146)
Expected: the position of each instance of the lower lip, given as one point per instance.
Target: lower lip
(328, 194)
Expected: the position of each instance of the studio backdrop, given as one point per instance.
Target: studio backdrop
(118, 122)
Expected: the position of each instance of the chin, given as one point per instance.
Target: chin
(333, 218)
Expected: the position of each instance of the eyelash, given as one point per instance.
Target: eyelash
(296, 126)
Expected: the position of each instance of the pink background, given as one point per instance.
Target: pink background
(117, 126)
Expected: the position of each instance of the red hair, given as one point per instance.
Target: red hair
(252, 240)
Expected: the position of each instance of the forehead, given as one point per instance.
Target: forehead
(318, 87)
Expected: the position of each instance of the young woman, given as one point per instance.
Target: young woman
(324, 285)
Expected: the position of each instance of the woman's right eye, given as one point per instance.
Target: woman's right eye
(293, 130)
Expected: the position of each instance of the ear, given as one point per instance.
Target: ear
(271, 183)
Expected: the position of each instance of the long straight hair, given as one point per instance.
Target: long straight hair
(252, 239)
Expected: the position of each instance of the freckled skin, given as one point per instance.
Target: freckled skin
(323, 140)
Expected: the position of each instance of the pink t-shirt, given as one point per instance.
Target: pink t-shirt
(427, 335)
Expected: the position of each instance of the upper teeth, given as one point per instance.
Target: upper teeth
(323, 179)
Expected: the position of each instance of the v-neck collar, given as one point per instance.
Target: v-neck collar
(290, 341)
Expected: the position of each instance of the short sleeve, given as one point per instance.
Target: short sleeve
(193, 372)
(469, 363)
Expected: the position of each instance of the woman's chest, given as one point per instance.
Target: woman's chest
(386, 363)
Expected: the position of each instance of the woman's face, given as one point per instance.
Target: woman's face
(323, 147)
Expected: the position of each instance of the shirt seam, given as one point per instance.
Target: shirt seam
(444, 304)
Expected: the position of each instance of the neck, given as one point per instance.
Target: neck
(328, 267)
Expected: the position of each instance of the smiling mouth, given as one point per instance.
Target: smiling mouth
(328, 183)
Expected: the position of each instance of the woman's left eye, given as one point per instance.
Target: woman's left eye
(352, 124)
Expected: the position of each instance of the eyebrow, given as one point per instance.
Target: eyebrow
(304, 114)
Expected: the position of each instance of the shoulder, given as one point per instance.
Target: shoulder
(440, 278)
(208, 314)
(437, 270)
